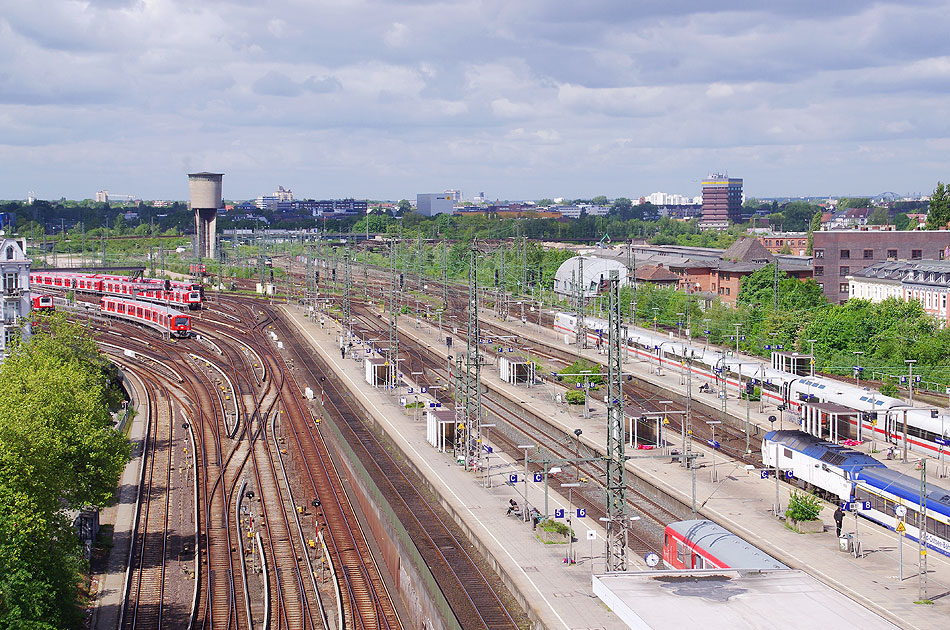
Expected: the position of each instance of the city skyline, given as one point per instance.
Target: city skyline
(521, 100)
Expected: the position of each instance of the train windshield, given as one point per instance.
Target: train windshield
(194, 297)
(181, 321)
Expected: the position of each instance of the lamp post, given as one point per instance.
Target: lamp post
(738, 326)
(488, 451)
(655, 311)
(586, 374)
(526, 448)
(679, 326)
(659, 433)
(857, 366)
(910, 386)
(706, 321)
(812, 355)
(570, 521)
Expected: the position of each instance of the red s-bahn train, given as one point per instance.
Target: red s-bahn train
(151, 290)
(702, 544)
(163, 318)
(42, 302)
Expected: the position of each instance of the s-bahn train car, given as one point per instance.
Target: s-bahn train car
(881, 416)
(702, 544)
(197, 269)
(163, 318)
(152, 290)
(42, 303)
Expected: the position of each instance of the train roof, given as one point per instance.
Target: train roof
(906, 487)
(827, 452)
(152, 305)
(725, 545)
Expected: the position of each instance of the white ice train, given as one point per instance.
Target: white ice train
(881, 415)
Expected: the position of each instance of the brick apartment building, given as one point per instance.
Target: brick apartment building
(837, 254)
(796, 242)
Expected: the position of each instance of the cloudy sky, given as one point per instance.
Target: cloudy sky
(520, 99)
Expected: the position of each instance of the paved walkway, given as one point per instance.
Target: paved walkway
(111, 583)
(735, 497)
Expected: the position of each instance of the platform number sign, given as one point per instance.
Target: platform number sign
(789, 474)
(559, 513)
(538, 477)
(764, 474)
(410, 391)
(512, 478)
(581, 512)
(423, 389)
(865, 505)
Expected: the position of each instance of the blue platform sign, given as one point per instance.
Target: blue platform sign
(764, 474)
(942, 441)
(779, 346)
(559, 513)
(581, 512)
(409, 391)
(488, 449)
(538, 477)
(866, 505)
(705, 332)
(789, 474)
(768, 347)
(423, 389)
(845, 506)
(369, 351)
(512, 478)
(579, 385)
(713, 443)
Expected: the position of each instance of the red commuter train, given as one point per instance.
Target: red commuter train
(702, 544)
(152, 290)
(42, 302)
(163, 318)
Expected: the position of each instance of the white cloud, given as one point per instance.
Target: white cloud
(381, 98)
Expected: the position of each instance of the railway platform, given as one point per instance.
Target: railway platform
(726, 492)
(110, 582)
(558, 595)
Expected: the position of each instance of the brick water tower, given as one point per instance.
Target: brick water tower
(205, 189)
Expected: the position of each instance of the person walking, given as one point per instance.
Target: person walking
(839, 518)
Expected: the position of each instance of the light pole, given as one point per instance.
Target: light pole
(910, 386)
(655, 311)
(706, 321)
(679, 326)
(659, 441)
(526, 448)
(570, 521)
(812, 355)
(586, 374)
(488, 451)
(738, 326)
(857, 366)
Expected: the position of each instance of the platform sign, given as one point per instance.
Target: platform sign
(423, 389)
(780, 346)
(789, 474)
(713, 443)
(581, 512)
(409, 391)
(488, 449)
(369, 351)
(512, 478)
(591, 534)
(845, 506)
(579, 385)
(764, 474)
(865, 505)
(559, 513)
(942, 441)
(900, 527)
(768, 347)
(538, 477)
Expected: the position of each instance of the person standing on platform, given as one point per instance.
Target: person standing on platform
(839, 517)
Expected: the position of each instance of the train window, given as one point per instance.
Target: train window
(788, 453)
(666, 540)
(699, 562)
(680, 551)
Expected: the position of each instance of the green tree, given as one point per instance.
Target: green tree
(599, 200)
(403, 206)
(797, 215)
(879, 216)
(939, 214)
(902, 221)
(853, 202)
(59, 453)
(544, 203)
(813, 227)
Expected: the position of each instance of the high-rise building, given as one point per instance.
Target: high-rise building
(722, 200)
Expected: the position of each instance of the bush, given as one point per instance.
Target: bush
(803, 507)
(555, 528)
(888, 388)
(574, 397)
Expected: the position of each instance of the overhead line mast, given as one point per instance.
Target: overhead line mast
(393, 367)
(616, 470)
(468, 395)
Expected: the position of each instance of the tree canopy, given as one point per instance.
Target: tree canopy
(939, 214)
(60, 452)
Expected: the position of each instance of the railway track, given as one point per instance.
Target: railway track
(475, 601)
